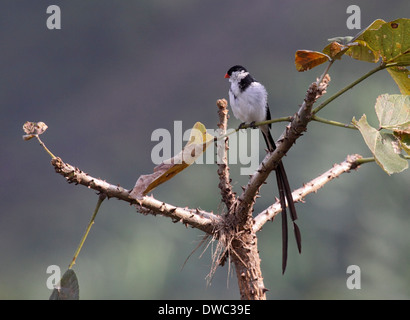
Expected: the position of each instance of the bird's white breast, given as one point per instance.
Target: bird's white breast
(249, 105)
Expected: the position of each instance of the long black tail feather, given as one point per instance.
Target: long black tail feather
(285, 195)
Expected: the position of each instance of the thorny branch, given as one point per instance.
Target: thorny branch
(312, 186)
(202, 220)
(235, 230)
(228, 197)
(292, 132)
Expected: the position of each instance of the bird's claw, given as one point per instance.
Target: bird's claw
(251, 125)
(242, 125)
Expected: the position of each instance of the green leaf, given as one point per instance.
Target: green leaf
(359, 49)
(401, 75)
(384, 147)
(376, 24)
(392, 41)
(388, 40)
(68, 288)
(393, 112)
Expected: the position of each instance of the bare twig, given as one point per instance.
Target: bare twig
(333, 123)
(312, 186)
(325, 103)
(101, 198)
(228, 197)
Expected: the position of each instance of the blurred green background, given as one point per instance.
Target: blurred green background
(118, 70)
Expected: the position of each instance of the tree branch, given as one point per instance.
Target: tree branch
(292, 132)
(228, 196)
(196, 218)
(333, 123)
(238, 235)
(314, 185)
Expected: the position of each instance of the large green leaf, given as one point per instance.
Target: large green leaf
(384, 147)
(359, 50)
(393, 112)
(388, 40)
(401, 75)
(358, 47)
(375, 25)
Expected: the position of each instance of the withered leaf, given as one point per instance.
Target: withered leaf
(307, 59)
(199, 140)
(33, 129)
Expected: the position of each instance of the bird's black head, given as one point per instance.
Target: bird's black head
(234, 69)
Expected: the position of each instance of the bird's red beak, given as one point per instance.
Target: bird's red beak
(227, 76)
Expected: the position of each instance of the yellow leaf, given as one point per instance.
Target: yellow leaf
(199, 140)
(401, 75)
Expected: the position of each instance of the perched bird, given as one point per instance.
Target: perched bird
(249, 102)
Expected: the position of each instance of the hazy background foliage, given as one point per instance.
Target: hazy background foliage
(117, 71)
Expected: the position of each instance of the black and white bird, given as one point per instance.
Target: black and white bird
(249, 102)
